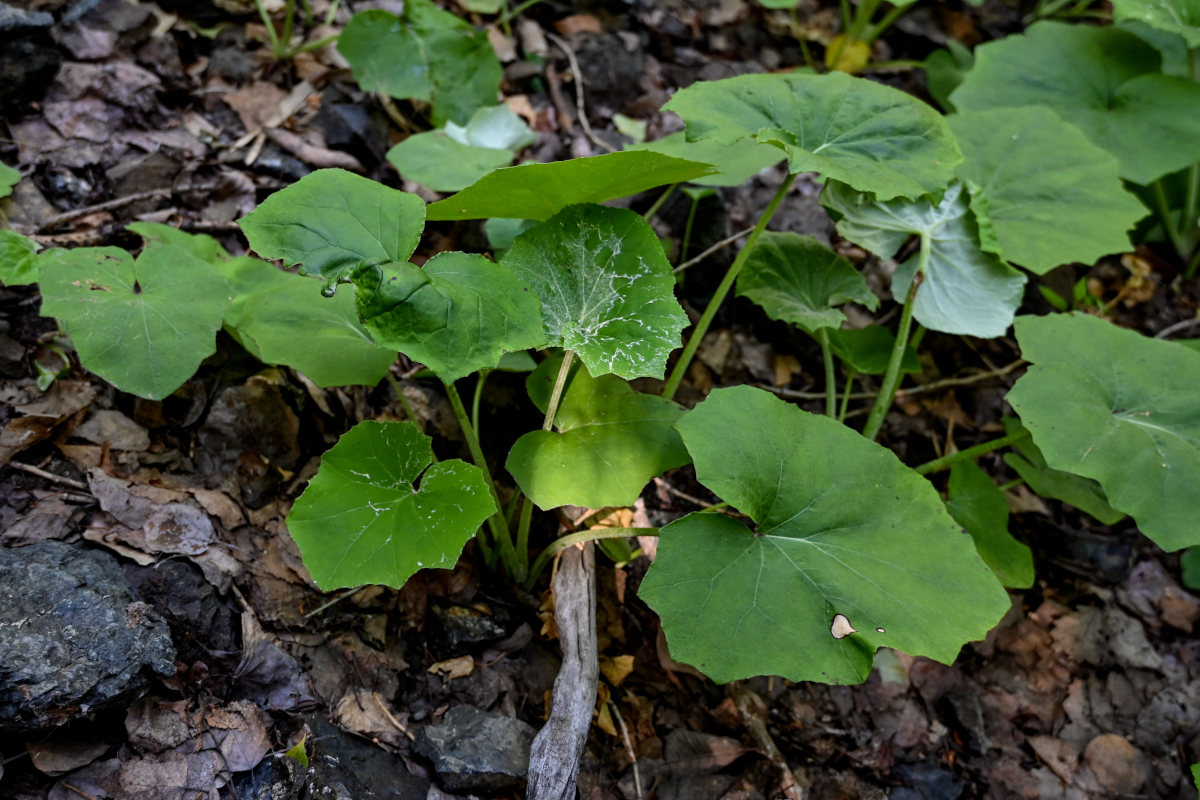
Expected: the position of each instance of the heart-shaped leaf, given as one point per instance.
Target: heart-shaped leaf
(852, 551)
(868, 350)
(610, 441)
(1181, 17)
(457, 314)
(18, 259)
(979, 506)
(493, 127)
(1083, 493)
(377, 511)
(145, 325)
(1104, 81)
(1051, 196)
(873, 137)
(428, 54)
(606, 288)
(331, 221)
(964, 290)
(1120, 408)
(539, 191)
(797, 279)
(270, 306)
(442, 163)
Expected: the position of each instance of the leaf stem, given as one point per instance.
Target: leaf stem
(947, 461)
(658, 203)
(592, 534)
(687, 231)
(891, 378)
(409, 414)
(496, 520)
(830, 373)
(479, 382)
(723, 289)
(850, 376)
(526, 520)
(1168, 220)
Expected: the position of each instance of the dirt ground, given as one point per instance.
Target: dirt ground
(120, 111)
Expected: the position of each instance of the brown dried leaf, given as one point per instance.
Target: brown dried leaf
(451, 668)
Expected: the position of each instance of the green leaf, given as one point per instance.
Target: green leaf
(845, 533)
(482, 6)
(331, 221)
(539, 191)
(797, 279)
(610, 441)
(429, 54)
(1196, 775)
(145, 325)
(493, 127)
(1083, 493)
(964, 290)
(979, 506)
(9, 178)
(1120, 408)
(18, 259)
(735, 163)
(1181, 17)
(270, 306)
(606, 288)
(378, 511)
(873, 137)
(1051, 196)
(457, 314)
(443, 164)
(1171, 46)
(1104, 81)
(944, 70)
(868, 350)
(502, 231)
(1189, 566)
(201, 245)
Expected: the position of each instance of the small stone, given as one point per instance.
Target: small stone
(474, 751)
(72, 635)
(1119, 767)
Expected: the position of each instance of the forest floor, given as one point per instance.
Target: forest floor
(1089, 688)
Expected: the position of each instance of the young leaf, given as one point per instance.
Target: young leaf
(608, 443)
(494, 127)
(539, 191)
(377, 511)
(873, 137)
(18, 259)
(1104, 81)
(979, 506)
(457, 314)
(145, 325)
(964, 290)
(1051, 196)
(385, 55)
(1181, 17)
(845, 534)
(797, 279)
(944, 70)
(442, 163)
(331, 221)
(9, 178)
(606, 288)
(1111, 405)
(1083, 493)
(270, 306)
(868, 350)
(736, 163)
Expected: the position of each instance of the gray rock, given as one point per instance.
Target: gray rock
(72, 635)
(474, 751)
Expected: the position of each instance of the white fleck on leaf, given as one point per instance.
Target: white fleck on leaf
(841, 627)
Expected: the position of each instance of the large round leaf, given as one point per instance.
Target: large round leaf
(539, 191)
(270, 306)
(1104, 81)
(457, 314)
(377, 512)
(608, 443)
(331, 221)
(1050, 196)
(873, 137)
(797, 279)
(1174, 16)
(145, 325)
(845, 534)
(606, 288)
(1111, 405)
(964, 290)
(442, 163)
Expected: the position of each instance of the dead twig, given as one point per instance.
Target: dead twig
(637, 776)
(748, 706)
(108, 205)
(379, 701)
(583, 119)
(728, 240)
(50, 476)
(1177, 327)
